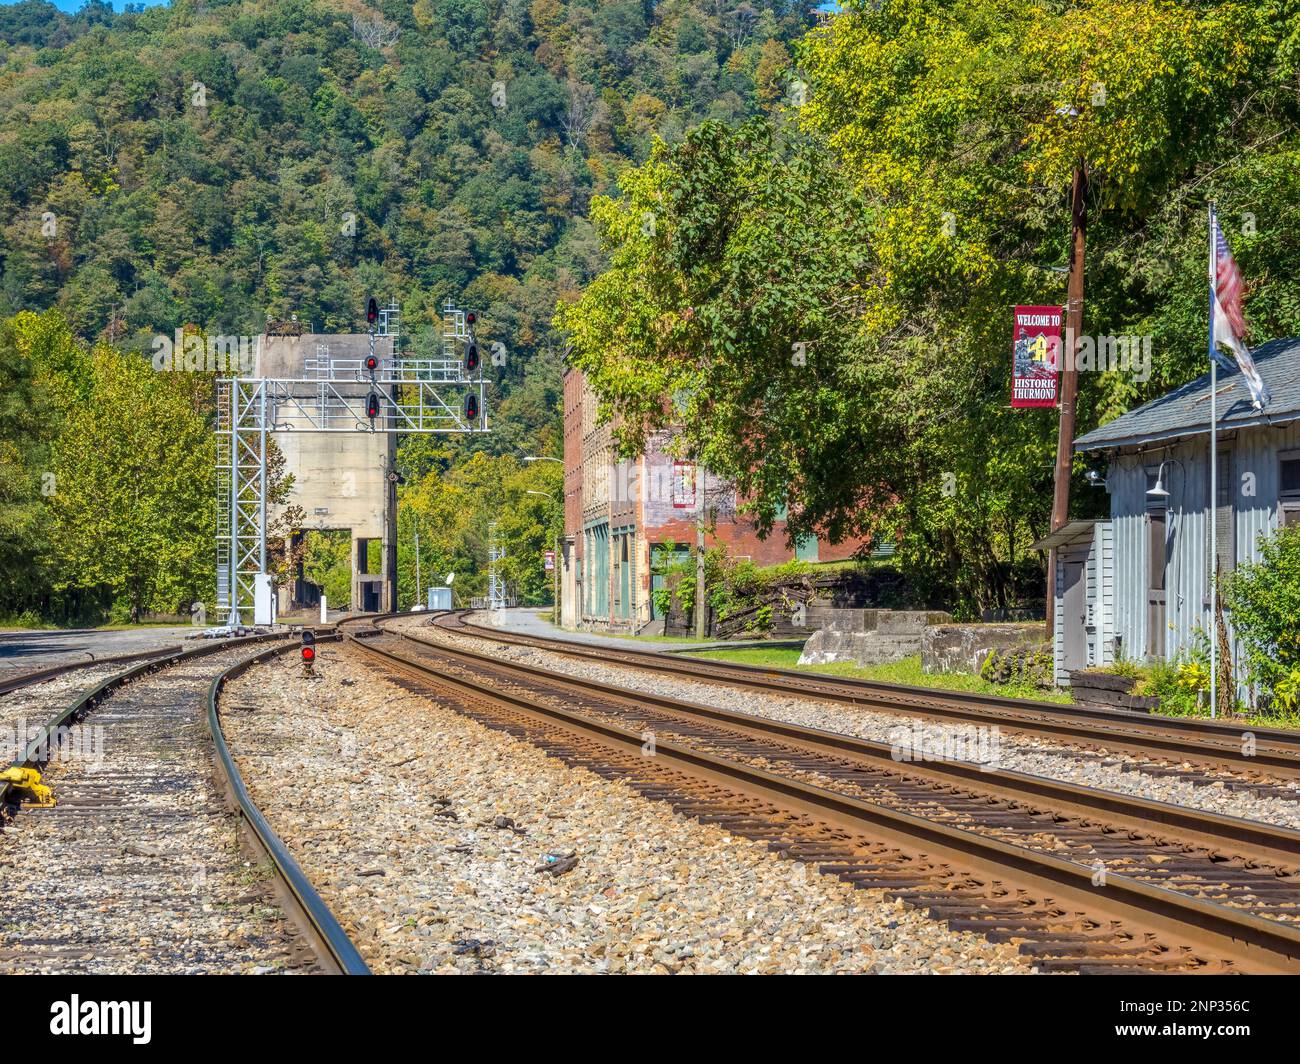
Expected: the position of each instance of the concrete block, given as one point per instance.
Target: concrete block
(964, 647)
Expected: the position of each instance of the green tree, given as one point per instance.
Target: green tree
(1264, 600)
(133, 505)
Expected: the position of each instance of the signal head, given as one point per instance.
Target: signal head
(371, 362)
(471, 407)
(372, 406)
(470, 318)
(372, 310)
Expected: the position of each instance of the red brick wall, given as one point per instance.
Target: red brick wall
(740, 538)
(573, 387)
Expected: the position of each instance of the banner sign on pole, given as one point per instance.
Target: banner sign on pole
(1037, 345)
(683, 485)
(550, 560)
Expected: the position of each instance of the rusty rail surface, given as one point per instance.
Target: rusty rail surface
(1253, 751)
(1084, 880)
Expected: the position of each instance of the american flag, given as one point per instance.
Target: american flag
(1228, 319)
(1227, 285)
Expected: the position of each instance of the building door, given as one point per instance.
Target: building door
(1156, 582)
(1074, 611)
(660, 559)
(625, 576)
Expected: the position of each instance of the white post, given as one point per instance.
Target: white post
(1214, 490)
(418, 597)
(322, 607)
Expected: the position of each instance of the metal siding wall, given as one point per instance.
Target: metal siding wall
(1253, 451)
(1105, 549)
(1126, 481)
(1058, 628)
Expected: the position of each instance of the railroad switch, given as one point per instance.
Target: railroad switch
(28, 780)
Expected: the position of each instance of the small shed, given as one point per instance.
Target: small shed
(1083, 632)
(1152, 556)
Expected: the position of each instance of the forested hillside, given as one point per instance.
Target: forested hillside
(213, 164)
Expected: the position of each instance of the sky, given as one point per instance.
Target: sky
(73, 6)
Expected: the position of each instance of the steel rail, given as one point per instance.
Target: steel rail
(1273, 751)
(302, 904)
(38, 750)
(1257, 944)
(20, 680)
(1250, 839)
(336, 951)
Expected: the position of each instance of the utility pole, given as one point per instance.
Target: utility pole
(699, 551)
(1069, 373)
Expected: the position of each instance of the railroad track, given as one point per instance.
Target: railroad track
(1259, 757)
(17, 681)
(1086, 881)
(134, 868)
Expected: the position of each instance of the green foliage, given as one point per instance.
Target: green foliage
(132, 511)
(1264, 600)
(453, 513)
(1021, 667)
(922, 191)
(327, 563)
(334, 158)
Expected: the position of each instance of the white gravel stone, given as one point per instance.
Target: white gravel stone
(1029, 754)
(423, 830)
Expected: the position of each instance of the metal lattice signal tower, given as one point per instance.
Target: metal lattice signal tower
(415, 395)
(496, 582)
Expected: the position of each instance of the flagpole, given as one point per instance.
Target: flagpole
(1214, 487)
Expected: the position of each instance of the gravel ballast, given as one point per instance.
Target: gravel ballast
(1028, 754)
(425, 831)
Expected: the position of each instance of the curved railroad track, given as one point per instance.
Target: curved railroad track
(134, 867)
(1261, 756)
(1086, 880)
(18, 680)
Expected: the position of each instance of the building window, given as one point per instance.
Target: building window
(1289, 489)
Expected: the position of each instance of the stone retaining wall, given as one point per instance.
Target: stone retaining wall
(964, 647)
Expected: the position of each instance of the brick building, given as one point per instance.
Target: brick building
(623, 515)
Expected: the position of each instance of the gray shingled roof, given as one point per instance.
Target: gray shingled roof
(1186, 411)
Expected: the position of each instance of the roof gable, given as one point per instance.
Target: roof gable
(1186, 411)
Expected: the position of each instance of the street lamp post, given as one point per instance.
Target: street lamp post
(555, 567)
(555, 607)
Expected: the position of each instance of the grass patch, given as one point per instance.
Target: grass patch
(908, 672)
(1279, 719)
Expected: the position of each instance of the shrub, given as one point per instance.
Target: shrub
(1264, 599)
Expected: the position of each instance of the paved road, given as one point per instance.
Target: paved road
(22, 650)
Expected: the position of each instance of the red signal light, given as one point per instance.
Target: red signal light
(471, 408)
(308, 653)
(372, 310)
(471, 358)
(371, 362)
(372, 405)
(471, 318)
